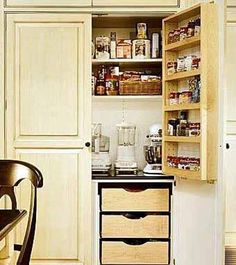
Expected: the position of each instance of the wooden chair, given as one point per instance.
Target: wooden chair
(12, 172)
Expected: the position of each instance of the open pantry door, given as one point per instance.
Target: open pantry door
(193, 130)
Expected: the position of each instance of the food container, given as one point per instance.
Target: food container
(155, 45)
(183, 33)
(194, 129)
(176, 35)
(141, 49)
(102, 47)
(123, 49)
(171, 67)
(141, 30)
(185, 97)
(191, 27)
(181, 62)
(172, 126)
(184, 163)
(197, 27)
(174, 98)
(170, 37)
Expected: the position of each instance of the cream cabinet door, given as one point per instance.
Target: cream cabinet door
(48, 120)
(231, 3)
(161, 3)
(48, 3)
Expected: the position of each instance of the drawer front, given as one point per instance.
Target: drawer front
(150, 226)
(160, 3)
(117, 199)
(148, 253)
(48, 3)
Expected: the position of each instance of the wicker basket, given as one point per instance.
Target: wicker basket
(140, 88)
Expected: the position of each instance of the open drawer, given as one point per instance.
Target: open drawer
(135, 226)
(123, 252)
(122, 199)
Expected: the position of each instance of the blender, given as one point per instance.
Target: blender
(101, 163)
(153, 151)
(126, 163)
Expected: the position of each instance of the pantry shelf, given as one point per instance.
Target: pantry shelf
(187, 174)
(190, 106)
(182, 139)
(127, 98)
(184, 44)
(183, 75)
(126, 61)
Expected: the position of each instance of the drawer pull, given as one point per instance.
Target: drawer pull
(135, 242)
(138, 189)
(134, 216)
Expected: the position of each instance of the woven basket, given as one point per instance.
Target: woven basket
(140, 88)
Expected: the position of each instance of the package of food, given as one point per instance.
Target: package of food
(185, 97)
(123, 49)
(183, 33)
(155, 45)
(141, 30)
(181, 64)
(141, 49)
(102, 46)
(194, 129)
(171, 67)
(174, 98)
(170, 37)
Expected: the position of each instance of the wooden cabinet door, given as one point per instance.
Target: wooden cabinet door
(48, 3)
(167, 3)
(48, 122)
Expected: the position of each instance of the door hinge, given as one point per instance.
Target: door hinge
(174, 263)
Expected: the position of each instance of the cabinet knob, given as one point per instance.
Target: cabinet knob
(227, 146)
(87, 144)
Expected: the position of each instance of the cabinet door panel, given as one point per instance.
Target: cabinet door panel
(47, 77)
(231, 3)
(41, 3)
(57, 217)
(134, 3)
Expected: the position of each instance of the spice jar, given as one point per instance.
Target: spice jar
(181, 64)
(171, 37)
(185, 97)
(176, 35)
(197, 27)
(174, 98)
(183, 33)
(194, 129)
(171, 67)
(191, 27)
(172, 126)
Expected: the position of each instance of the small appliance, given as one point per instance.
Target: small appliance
(126, 163)
(101, 162)
(153, 151)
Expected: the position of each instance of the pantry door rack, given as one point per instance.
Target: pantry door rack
(205, 43)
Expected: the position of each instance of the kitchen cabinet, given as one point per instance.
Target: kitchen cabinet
(47, 102)
(48, 3)
(203, 144)
(159, 3)
(231, 3)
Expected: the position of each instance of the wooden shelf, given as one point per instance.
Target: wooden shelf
(182, 139)
(127, 98)
(190, 106)
(184, 44)
(126, 61)
(188, 174)
(182, 75)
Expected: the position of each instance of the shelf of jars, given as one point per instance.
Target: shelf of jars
(190, 93)
(136, 98)
(126, 61)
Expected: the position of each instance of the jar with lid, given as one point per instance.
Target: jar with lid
(191, 27)
(170, 37)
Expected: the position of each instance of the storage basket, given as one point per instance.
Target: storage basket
(140, 87)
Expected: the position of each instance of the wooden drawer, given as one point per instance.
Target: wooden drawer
(119, 252)
(118, 199)
(126, 226)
